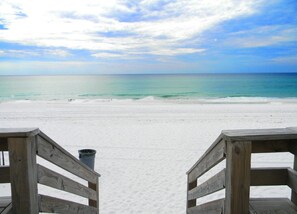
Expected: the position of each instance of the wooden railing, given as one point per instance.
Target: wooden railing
(236, 147)
(24, 173)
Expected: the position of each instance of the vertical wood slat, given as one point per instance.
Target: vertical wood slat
(94, 203)
(238, 177)
(23, 174)
(190, 186)
(293, 193)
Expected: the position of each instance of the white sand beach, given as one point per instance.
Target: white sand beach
(144, 148)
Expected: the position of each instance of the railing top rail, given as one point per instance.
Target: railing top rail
(18, 132)
(260, 134)
(29, 132)
(250, 135)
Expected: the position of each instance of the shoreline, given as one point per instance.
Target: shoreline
(152, 99)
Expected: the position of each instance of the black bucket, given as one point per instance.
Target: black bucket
(87, 156)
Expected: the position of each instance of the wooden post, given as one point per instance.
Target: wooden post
(238, 177)
(95, 187)
(294, 194)
(23, 174)
(190, 203)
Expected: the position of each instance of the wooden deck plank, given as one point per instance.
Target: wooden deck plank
(272, 206)
(5, 201)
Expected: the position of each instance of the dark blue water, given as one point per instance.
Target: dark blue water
(140, 86)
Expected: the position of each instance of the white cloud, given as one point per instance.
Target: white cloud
(38, 52)
(162, 27)
(57, 52)
(263, 36)
(286, 60)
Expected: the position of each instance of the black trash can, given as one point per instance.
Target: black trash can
(87, 156)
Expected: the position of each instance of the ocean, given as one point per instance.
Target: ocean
(143, 86)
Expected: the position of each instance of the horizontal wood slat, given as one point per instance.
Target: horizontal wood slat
(4, 174)
(50, 178)
(270, 146)
(213, 157)
(55, 154)
(269, 176)
(215, 183)
(55, 205)
(213, 207)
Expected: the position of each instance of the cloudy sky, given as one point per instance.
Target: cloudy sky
(147, 36)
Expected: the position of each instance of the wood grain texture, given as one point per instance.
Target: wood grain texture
(18, 132)
(259, 134)
(53, 179)
(3, 144)
(269, 176)
(213, 207)
(272, 206)
(213, 157)
(4, 174)
(55, 205)
(190, 186)
(57, 155)
(23, 174)
(292, 179)
(215, 183)
(238, 163)
(294, 193)
(95, 187)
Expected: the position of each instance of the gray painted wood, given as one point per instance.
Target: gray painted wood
(23, 174)
(238, 163)
(53, 179)
(4, 174)
(214, 156)
(214, 184)
(55, 205)
(59, 156)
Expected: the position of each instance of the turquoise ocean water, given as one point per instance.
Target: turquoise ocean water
(189, 86)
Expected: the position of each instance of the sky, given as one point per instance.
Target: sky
(49, 37)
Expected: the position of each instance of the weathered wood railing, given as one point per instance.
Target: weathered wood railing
(24, 173)
(236, 146)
